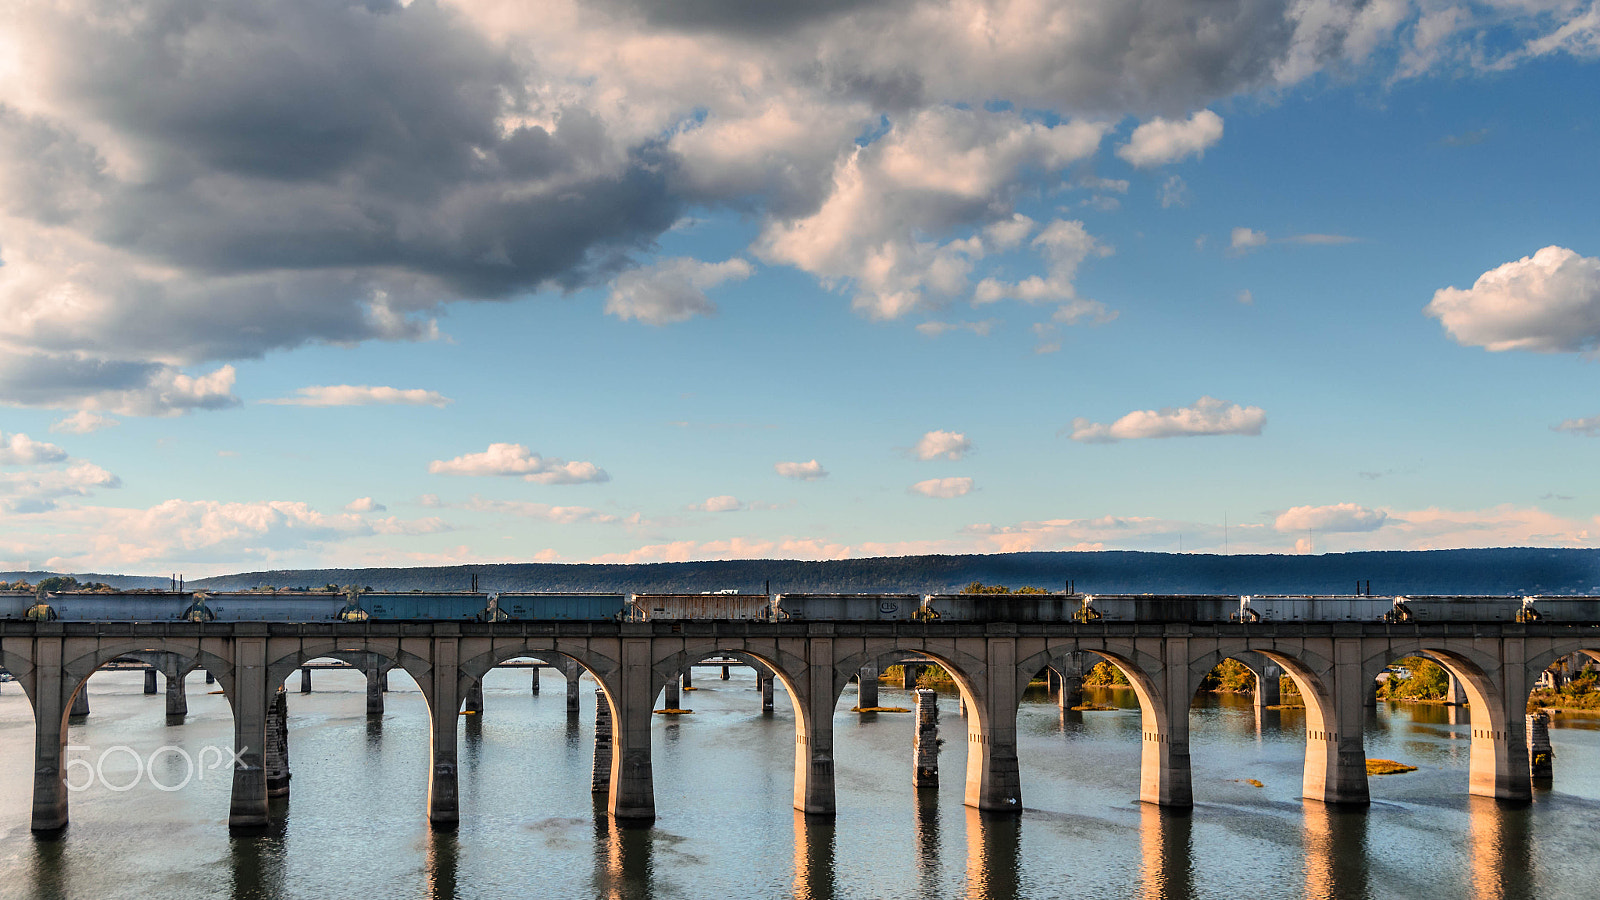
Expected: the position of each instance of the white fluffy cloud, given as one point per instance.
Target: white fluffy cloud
(943, 488)
(671, 290)
(1064, 245)
(38, 491)
(723, 503)
(21, 450)
(951, 445)
(515, 459)
(1338, 517)
(1208, 416)
(801, 471)
(1588, 427)
(1243, 240)
(84, 422)
(1546, 303)
(361, 395)
(364, 505)
(1162, 141)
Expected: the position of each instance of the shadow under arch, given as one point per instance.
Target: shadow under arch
(1497, 763)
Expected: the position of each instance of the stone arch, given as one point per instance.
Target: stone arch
(602, 668)
(75, 672)
(282, 666)
(1536, 663)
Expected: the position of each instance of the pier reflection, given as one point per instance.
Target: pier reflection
(623, 858)
(993, 855)
(1500, 848)
(50, 873)
(443, 854)
(813, 857)
(256, 861)
(926, 833)
(1166, 853)
(1336, 852)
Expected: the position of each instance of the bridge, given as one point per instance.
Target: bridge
(1334, 665)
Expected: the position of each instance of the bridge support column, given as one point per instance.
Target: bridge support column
(688, 676)
(275, 759)
(573, 673)
(765, 683)
(383, 679)
(1454, 694)
(248, 807)
(1498, 766)
(80, 703)
(1164, 776)
(813, 749)
(474, 702)
(177, 691)
(908, 676)
(375, 679)
(211, 677)
(150, 680)
(724, 673)
(600, 777)
(305, 679)
(534, 684)
(1540, 753)
(1336, 756)
(444, 797)
(925, 743)
(672, 700)
(50, 738)
(868, 677)
(632, 777)
(993, 782)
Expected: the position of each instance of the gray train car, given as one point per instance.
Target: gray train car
(700, 607)
(1458, 609)
(520, 606)
(849, 607)
(1565, 610)
(98, 606)
(1003, 607)
(1288, 608)
(1159, 608)
(15, 604)
(262, 606)
(445, 606)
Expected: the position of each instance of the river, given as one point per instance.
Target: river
(355, 824)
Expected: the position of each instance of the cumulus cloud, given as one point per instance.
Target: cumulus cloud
(364, 505)
(84, 422)
(1208, 416)
(1338, 517)
(38, 491)
(801, 471)
(1545, 303)
(1243, 240)
(21, 450)
(671, 290)
(1065, 246)
(723, 503)
(951, 445)
(55, 380)
(943, 488)
(1587, 427)
(1162, 141)
(361, 395)
(515, 459)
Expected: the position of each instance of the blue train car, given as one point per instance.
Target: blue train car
(519, 606)
(451, 606)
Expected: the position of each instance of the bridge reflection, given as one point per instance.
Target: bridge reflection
(1500, 847)
(1166, 853)
(1335, 842)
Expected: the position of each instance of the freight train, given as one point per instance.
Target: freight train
(513, 606)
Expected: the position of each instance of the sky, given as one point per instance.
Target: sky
(318, 283)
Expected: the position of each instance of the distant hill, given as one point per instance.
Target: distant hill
(116, 581)
(1493, 571)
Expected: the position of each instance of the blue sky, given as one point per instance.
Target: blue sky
(434, 283)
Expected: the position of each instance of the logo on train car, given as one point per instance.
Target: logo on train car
(888, 607)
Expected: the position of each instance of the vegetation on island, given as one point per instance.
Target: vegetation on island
(1387, 767)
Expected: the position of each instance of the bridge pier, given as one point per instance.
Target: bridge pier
(534, 685)
(247, 810)
(600, 776)
(993, 781)
(813, 748)
(1336, 757)
(50, 738)
(474, 703)
(632, 777)
(1498, 764)
(305, 679)
(80, 703)
(177, 691)
(868, 693)
(908, 676)
(688, 677)
(150, 680)
(1164, 775)
(725, 673)
(444, 797)
(925, 743)
(764, 682)
(573, 672)
(1454, 694)
(1540, 753)
(672, 699)
(375, 686)
(276, 757)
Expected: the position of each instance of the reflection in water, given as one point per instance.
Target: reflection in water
(927, 841)
(50, 867)
(623, 864)
(993, 860)
(1336, 852)
(257, 861)
(813, 857)
(443, 852)
(1500, 845)
(1166, 852)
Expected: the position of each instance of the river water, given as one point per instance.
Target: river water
(355, 826)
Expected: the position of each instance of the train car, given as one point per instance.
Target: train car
(1458, 609)
(1003, 607)
(1305, 608)
(701, 607)
(1159, 608)
(444, 606)
(15, 604)
(1563, 610)
(267, 606)
(519, 606)
(849, 607)
(101, 606)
